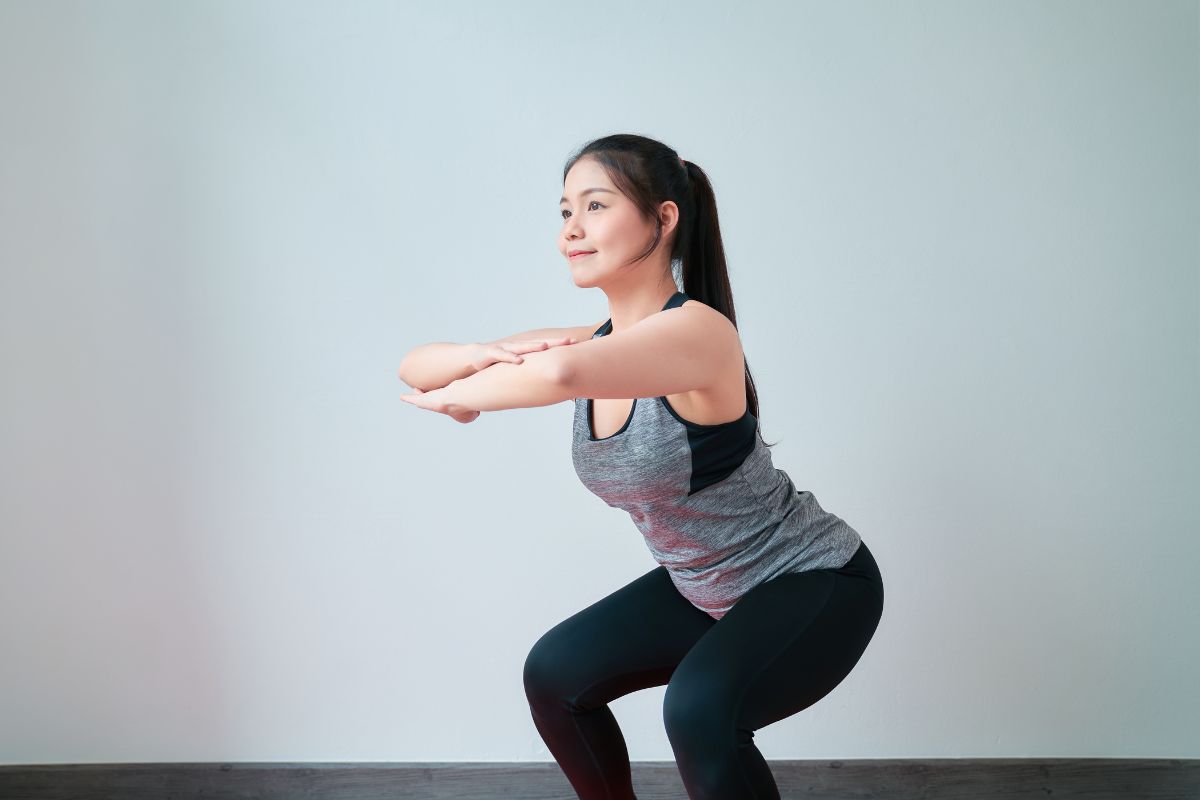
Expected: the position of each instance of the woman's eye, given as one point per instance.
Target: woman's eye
(590, 202)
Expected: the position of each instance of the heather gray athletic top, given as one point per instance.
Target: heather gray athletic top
(713, 509)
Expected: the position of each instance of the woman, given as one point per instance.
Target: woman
(763, 601)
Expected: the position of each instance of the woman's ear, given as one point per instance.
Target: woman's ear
(668, 213)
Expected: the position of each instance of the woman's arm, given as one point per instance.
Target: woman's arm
(436, 365)
(432, 366)
(536, 382)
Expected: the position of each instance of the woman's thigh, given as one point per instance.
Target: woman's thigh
(629, 640)
(783, 646)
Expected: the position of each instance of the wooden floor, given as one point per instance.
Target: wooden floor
(902, 779)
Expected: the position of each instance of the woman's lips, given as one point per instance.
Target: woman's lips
(581, 255)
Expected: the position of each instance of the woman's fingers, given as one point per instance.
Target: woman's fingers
(542, 344)
(510, 352)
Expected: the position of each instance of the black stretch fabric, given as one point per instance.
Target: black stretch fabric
(786, 644)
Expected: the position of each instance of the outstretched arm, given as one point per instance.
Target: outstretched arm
(663, 354)
(501, 386)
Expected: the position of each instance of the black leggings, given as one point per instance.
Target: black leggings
(782, 647)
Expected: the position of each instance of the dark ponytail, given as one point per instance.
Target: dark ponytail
(650, 173)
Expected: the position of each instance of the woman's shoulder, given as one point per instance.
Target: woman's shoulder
(720, 323)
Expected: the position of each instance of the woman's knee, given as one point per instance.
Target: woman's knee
(696, 705)
(547, 671)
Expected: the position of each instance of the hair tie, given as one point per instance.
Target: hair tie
(681, 162)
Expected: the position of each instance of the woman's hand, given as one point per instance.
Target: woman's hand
(437, 401)
(484, 355)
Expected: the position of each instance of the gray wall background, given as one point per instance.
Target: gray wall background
(963, 240)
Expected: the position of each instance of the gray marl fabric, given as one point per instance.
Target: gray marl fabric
(712, 507)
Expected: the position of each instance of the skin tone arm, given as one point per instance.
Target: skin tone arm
(436, 364)
(536, 382)
(432, 366)
(667, 353)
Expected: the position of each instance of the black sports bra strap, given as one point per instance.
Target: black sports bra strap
(676, 300)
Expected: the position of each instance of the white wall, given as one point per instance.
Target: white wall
(963, 244)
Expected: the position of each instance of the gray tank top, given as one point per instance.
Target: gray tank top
(713, 509)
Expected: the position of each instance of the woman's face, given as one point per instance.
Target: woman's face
(605, 222)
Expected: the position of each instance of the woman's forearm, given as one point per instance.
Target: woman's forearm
(503, 386)
(432, 366)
